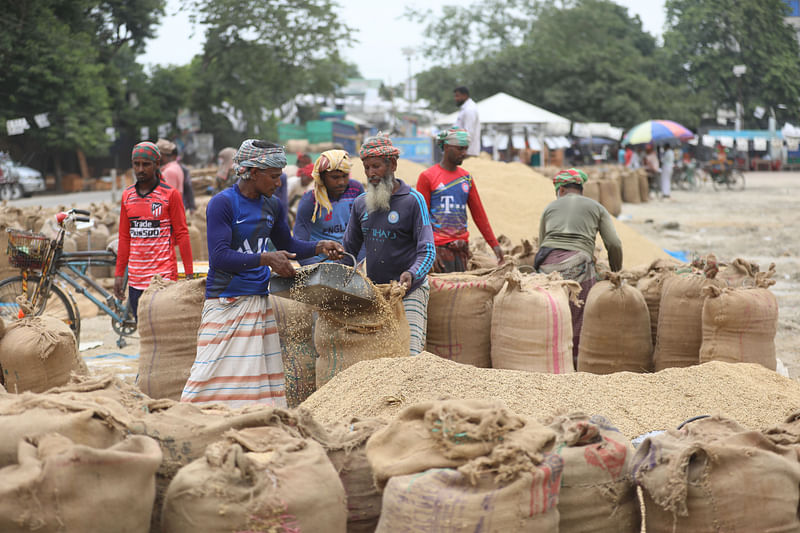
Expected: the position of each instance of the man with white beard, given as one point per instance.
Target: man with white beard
(391, 220)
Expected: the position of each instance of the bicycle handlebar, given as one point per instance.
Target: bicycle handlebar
(81, 212)
(83, 219)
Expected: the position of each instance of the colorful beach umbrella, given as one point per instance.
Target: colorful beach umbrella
(655, 131)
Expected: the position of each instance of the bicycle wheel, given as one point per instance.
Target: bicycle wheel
(736, 181)
(59, 304)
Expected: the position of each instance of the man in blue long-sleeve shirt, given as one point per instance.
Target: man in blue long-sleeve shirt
(391, 220)
(238, 350)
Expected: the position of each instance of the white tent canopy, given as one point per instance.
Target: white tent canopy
(503, 110)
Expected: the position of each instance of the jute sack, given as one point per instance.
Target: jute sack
(739, 273)
(59, 486)
(258, 479)
(739, 325)
(81, 419)
(451, 433)
(630, 188)
(342, 340)
(296, 330)
(597, 492)
(644, 184)
(103, 389)
(532, 324)
(443, 500)
(200, 244)
(680, 320)
(185, 430)
(651, 286)
(714, 475)
(591, 189)
(610, 196)
(346, 442)
(459, 315)
(194, 240)
(616, 333)
(169, 317)
(787, 433)
(524, 253)
(38, 353)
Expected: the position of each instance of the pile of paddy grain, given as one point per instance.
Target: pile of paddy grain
(514, 196)
(637, 403)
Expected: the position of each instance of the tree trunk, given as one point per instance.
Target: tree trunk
(59, 173)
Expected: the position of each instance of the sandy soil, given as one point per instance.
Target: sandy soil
(759, 224)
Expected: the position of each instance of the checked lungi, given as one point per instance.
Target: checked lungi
(577, 266)
(238, 358)
(415, 304)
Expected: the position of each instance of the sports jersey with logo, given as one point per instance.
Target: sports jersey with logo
(397, 240)
(329, 225)
(149, 227)
(448, 194)
(239, 230)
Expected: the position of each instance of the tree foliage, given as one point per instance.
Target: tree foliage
(259, 55)
(706, 38)
(590, 60)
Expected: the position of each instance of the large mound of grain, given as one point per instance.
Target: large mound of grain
(514, 196)
(637, 403)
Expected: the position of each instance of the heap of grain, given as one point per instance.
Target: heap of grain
(517, 214)
(637, 403)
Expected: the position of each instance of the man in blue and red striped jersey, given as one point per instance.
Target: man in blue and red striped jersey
(448, 190)
(151, 221)
(391, 221)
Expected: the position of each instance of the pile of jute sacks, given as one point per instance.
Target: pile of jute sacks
(661, 316)
(665, 315)
(97, 455)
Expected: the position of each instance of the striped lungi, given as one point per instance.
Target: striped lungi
(415, 304)
(238, 358)
(577, 266)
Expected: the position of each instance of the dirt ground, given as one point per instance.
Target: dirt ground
(759, 224)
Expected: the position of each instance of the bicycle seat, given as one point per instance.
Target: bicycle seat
(113, 246)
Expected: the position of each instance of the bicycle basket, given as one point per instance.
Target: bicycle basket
(26, 249)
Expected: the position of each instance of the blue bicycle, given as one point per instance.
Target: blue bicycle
(48, 275)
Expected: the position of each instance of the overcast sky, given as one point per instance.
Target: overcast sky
(378, 52)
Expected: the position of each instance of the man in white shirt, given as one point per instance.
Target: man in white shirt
(468, 119)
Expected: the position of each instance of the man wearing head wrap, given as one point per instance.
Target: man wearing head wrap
(238, 358)
(151, 221)
(567, 232)
(324, 211)
(448, 190)
(391, 221)
(170, 169)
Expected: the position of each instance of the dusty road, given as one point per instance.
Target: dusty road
(759, 224)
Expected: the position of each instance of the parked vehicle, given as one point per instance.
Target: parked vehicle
(18, 180)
